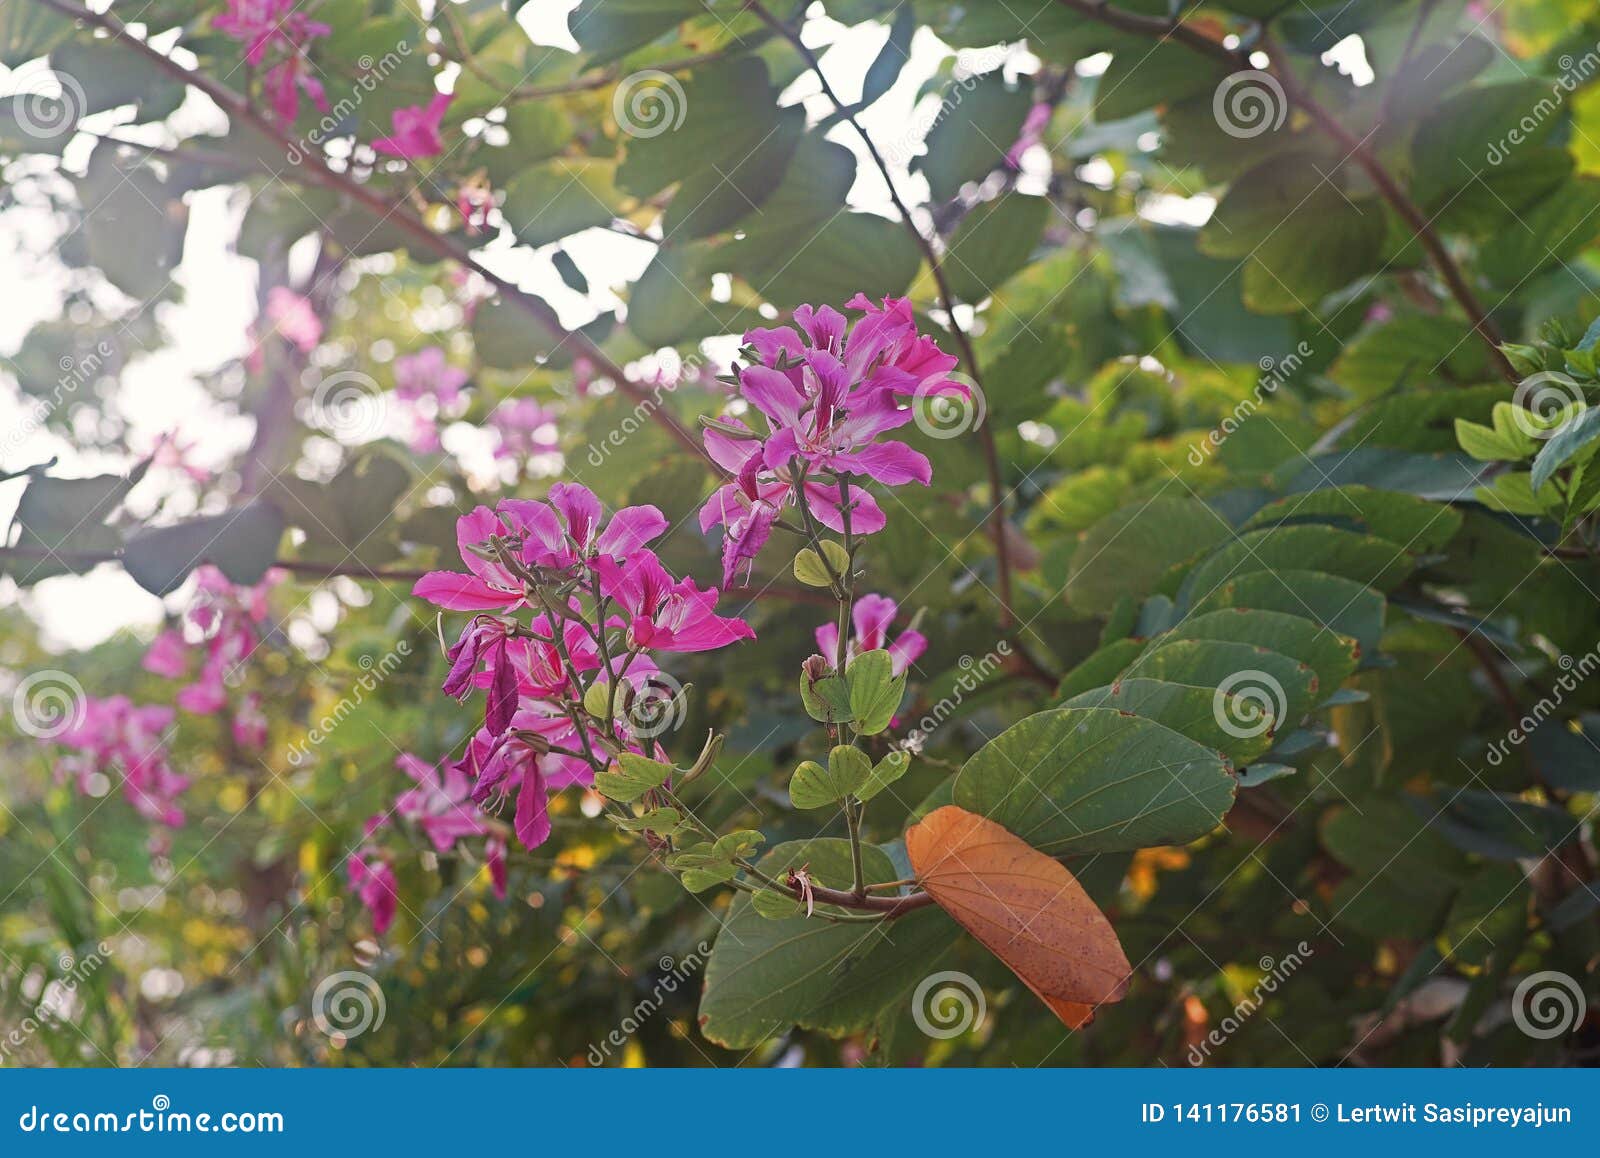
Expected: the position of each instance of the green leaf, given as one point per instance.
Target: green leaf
(826, 696)
(242, 544)
(507, 338)
(884, 773)
(631, 777)
(699, 880)
(981, 118)
(58, 518)
(1341, 605)
(1550, 232)
(810, 569)
(1409, 522)
(1488, 445)
(849, 253)
(814, 786)
(1089, 780)
(1573, 443)
(1367, 559)
(1275, 689)
(875, 691)
(1331, 657)
(1145, 75)
(1190, 711)
(767, 974)
(775, 906)
(555, 199)
(993, 242)
(1132, 549)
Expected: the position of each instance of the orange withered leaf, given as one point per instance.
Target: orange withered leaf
(1026, 908)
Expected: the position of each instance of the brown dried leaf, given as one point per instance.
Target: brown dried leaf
(1026, 908)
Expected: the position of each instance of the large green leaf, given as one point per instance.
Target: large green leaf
(994, 242)
(767, 975)
(241, 543)
(1279, 685)
(555, 199)
(1412, 523)
(1132, 549)
(1367, 559)
(1089, 780)
(1186, 709)
(981, 117)
(1342, 605)
(1332, 657)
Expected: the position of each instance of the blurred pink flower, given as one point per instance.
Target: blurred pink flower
(525, 427)
(416, 130)
(871, 618)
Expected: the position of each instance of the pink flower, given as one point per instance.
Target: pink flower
(293, 318)
(416, 130)
(1032, 131)
(667, 614)
(525, 427)
(115, 738)
(374, 882)
(556, 535)
(827, 393)
(250, 722)
(427, 374)
(440, 803)
(223, 619)
(871, 617)
(274, 28)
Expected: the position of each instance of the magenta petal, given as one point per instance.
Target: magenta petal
(630, 529)
(532, 820)
(891, 463)
(454, 591)
(771, 392)
(905, 650)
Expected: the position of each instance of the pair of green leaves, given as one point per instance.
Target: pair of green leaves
(866, 696)
(850, 772)
(710, 863)
(631, 777)
(819, 570)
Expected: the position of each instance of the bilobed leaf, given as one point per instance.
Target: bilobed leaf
(1026, 908)
(1280, 685)
(1572, 443)
(815, 786)
(983, 117)
(1133, 548)
(241, 543)
(557, 198)
(1331, 657)
(630, 777)
(1414, 524)
(875, 691)
(884, 773)
(1367, 559)
(1339, 604)
(768, 974)
(1085, 780)
(994, 241)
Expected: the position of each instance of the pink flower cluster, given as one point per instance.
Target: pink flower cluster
(826, 393)
(224, 621)
(525, 427)
(440, 805)
(429, 389)
(273, 29)
(598, 603)
(416, 130)
(117, 739)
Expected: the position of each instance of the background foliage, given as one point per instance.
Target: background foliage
(1282, 319)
